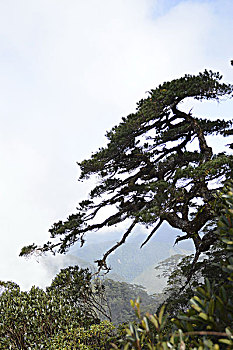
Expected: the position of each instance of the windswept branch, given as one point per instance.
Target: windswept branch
(152, 232)
(102, 263)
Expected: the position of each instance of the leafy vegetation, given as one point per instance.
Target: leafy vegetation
(178, 292)
(30, 319)
(98, 336)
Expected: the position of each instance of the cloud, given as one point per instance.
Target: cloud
(69, 71)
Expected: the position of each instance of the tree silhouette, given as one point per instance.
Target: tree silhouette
(157, 166)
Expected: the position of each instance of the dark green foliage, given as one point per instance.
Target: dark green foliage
(211, 309)
(31, 319)
(178, 292)
(98, 336)
(149, 333)
(77, 287)
(28, 319)
(151, 172)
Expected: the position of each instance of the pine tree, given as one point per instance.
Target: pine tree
(151, 171)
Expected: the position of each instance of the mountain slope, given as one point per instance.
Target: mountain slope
(132, 264)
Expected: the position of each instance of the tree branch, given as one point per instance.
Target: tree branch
(102, 263)
(152, 232)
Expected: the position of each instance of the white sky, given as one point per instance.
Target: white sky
(69, 70)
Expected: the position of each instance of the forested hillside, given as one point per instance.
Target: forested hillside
(119, 294)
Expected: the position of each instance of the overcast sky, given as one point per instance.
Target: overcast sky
(69, 70)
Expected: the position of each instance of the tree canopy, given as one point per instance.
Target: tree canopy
(31, 319)
(157, 166)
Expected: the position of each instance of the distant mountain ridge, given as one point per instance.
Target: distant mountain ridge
(131, 264)
(128, 263)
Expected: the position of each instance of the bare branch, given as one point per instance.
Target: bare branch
(152, 232)
(102, 263)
